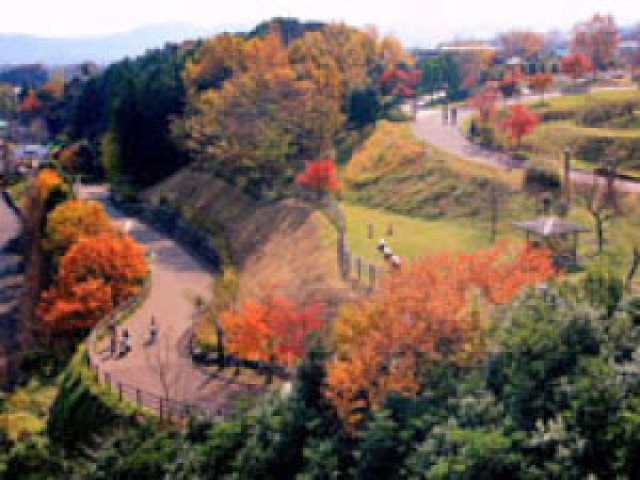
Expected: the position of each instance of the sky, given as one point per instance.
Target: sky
(416, 22)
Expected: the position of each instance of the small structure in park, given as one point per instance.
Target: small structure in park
(557, 234)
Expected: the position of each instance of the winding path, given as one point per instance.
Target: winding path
(11, 283)
(165, 369)
(428, 126)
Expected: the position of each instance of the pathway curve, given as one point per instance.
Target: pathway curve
(428, 126)
(165, 368)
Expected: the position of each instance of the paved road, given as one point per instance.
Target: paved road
(165, 368)
(11, 284)
(429, 127)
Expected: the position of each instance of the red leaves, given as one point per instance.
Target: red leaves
(575, 65)
(272, 330)
(320, 176)
(519, 122)
(401, 82)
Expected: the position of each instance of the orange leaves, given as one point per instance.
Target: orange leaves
(520, 121)
(45, 181)
(272, 330)
(95, 274)
(432, 312)
(540, 82)
(320, 176)
(30, 103)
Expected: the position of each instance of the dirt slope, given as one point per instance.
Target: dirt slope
(287, 244)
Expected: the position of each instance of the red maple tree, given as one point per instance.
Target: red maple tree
(519, 122)
(320, 176)
(272, 330)
(575, 65)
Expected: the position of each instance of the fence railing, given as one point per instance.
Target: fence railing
(165, 407)
(355, 269)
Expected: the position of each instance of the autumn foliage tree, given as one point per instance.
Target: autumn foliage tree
(540, 82)
(432, 313)
(319, 176)
(518, 122)
(575, 65)
(520, 43)
(484, 102)
(74, 219)
(95, 275)
(597, 39)
(272, 330)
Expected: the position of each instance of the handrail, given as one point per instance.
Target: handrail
(133, 302)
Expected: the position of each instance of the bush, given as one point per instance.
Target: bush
(595, 114)
(603, 289)
(539, 178)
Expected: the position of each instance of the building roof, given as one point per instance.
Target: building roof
(550, 226)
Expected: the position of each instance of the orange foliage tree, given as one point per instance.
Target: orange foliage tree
(540, 82)
(430, 313)
(520, 121)
(74, 219)
(320, 176)
(30, 103)
(95, 275)
(272, 330)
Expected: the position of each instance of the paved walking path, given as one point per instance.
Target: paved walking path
(11, 283)
(429, 127)
(165, 368)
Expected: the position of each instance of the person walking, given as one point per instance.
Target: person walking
(153, 330)
(125, 345)
(445, 114)
(454, 116)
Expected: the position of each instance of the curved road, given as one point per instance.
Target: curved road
(11, 282)
(428, 126)
(165, 368)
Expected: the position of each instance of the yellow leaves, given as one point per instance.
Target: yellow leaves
(73, 219)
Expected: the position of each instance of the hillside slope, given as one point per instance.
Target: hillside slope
(287, 244)
(393, 170)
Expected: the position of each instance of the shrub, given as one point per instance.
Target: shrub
(595, 114)
(540, 178)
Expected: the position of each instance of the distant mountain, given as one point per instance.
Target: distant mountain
(26, 49)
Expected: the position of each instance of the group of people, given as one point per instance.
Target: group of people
(122, 346)
(449, 115)
(394, 260)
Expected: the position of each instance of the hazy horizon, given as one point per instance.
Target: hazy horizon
(416, 23)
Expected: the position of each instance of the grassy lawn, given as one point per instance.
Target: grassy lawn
(573, 103)
(413, 237)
